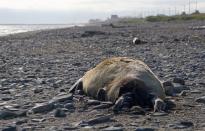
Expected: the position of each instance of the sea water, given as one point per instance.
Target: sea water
(11, 29)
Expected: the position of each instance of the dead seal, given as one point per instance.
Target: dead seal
(125, 82)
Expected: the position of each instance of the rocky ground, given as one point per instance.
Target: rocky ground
(38, 68)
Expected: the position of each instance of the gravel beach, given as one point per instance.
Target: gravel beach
(38, 68)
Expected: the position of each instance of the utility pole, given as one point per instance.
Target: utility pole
(189, 7)
(169, 12)
(196, 5)
(185, 8)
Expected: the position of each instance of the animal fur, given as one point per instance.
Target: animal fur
(119, 75)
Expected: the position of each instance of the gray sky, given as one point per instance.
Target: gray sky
(75, 11)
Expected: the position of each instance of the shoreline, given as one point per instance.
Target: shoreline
(10, 29)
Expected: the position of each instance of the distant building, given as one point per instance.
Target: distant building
(114, 17)
(94, 21)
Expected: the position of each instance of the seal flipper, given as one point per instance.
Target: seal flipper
(101, 94)
(78, 85)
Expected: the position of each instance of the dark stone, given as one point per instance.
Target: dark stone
(167, 83)
(144, 129)
(38, 90)
(100, 119)
(102, 106)
(170, 104)
(59, 113)
(9, 128)
(137, 110)
(69, 106)
(138, 41)
(6, 114)
(112, 128)
(201, 100)
(179, 80)
(6, 98)
(178, 88)
(62, 98)
(181, 125)
(20, 122)
(43, 107)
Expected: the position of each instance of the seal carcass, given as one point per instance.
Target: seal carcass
(123, 81)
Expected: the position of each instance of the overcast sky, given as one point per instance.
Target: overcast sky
(75, 11)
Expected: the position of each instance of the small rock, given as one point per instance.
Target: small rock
(81, 124)
(183, 93)
(160, 114)
(88, 128)
(181, 125)
(137, 110)
(6, 114)
(179, 80)
(43, 107)
(6, 92)
(38, 120)
(59, 113)
(58, 84)
(102, 106)
(167, 83)
(196, 92)
(144, 129)
(100, 119)
(169, 90)
(38, 90)
(170, 104)
(112, 128)
(69, 106)
(62, 98)
(20, 122)
(62, 90)
(93, 102)
(136, 40)
(9, 128)
(6, 98)
(178, 88)
(201, 99)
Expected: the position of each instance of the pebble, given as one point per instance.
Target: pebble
(38, 90)
(93, 102)
(196, 91)
(100, 119)
(179, 80)
(20, 122)
(160, 114)
(6, 114)
(9, 128)
(6, 98)
(201, 100)
(59, 113)
(112, 128)
(102, 106)
(42, 107)
(69, 106)
(178, 88)
(137, 110)
(183, 93)
(62, 98)
(38, 120)
(145, 129)
(181, 125)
